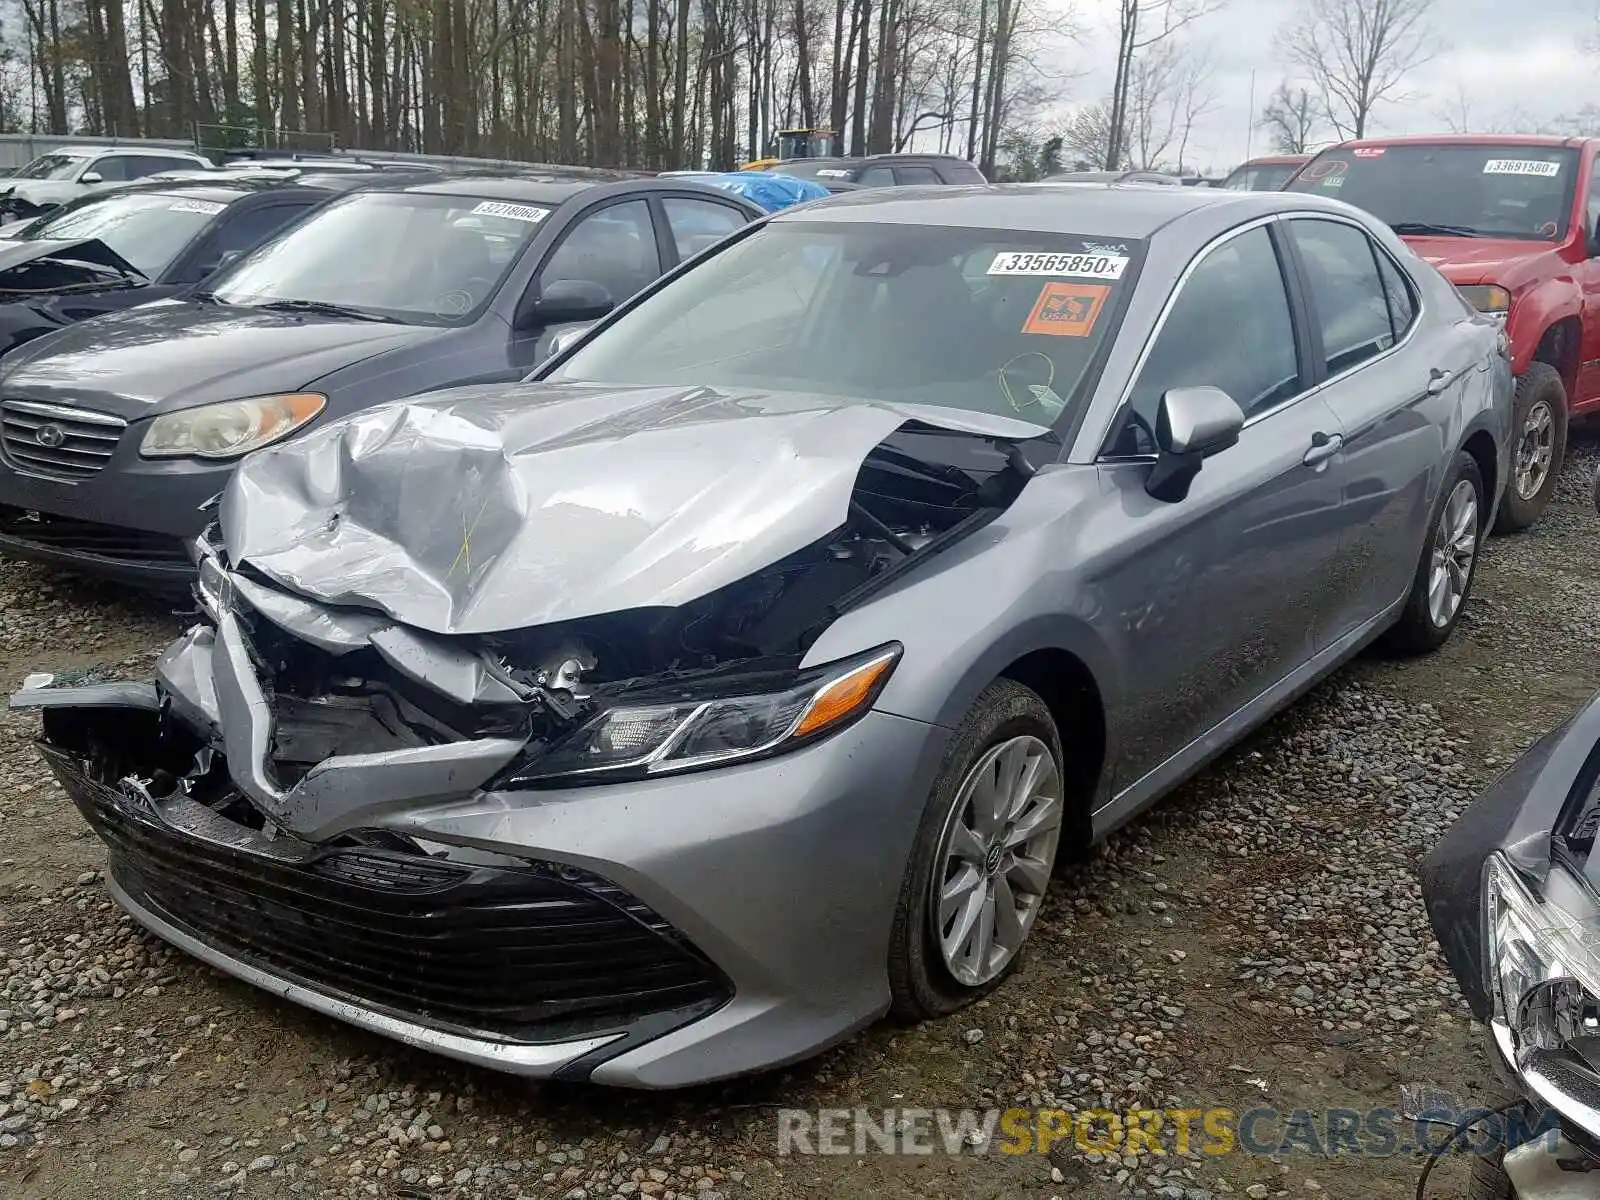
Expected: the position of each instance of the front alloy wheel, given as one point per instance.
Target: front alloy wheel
(1536, 449)
(982, 855)
(995, 859)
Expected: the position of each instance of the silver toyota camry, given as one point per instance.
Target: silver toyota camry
(740, 678)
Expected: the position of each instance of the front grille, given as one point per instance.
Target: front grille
(50, 532)
(76, 443)
(530, 953)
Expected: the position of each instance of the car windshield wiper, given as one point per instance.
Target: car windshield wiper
(1429, 229)
(323, 308)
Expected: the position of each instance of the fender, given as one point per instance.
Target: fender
(1534, 311)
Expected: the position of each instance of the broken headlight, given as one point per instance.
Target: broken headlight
(636, 741)
(230, 429)
(1544, 979)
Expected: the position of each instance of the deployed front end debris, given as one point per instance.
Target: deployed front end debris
(366, 656)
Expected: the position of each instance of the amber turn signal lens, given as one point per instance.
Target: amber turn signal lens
(845, 695)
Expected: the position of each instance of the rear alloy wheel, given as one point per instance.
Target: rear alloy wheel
(984, 853)
(1443, 579)
(1538, 447)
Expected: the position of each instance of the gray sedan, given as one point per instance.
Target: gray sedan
(741, 677)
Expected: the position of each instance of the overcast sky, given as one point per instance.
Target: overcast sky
(1500, 55)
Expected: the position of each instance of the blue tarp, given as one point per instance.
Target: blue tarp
(766, 188)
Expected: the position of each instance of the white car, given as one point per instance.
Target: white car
(68, 172)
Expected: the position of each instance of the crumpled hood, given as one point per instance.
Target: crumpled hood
(175, 354)
(17, 252)
(1506, 261)
(483, 509)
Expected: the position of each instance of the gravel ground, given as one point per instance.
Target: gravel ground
(1256, 939)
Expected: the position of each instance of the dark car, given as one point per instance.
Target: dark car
(115, 433)
(112, 250)
(884, 170)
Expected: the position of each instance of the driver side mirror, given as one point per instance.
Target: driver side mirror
(91, 177)
(1192, 424)
(564, 302)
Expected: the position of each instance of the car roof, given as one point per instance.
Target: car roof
(1273, 160)
(1090, 209)
(1465, 139)
(96, 151)
(538, 187)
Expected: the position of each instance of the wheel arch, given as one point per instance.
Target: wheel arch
(1559, 346)
(1070, 691)
(1480, 444)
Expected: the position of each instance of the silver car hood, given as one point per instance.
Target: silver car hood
(483, 509)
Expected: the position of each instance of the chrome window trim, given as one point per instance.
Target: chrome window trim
(1183, 280)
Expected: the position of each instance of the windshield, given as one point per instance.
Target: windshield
(986, 320)
(52, 166)
(411, 257)
(1266, 177)
(1505, 191)
(148, 230)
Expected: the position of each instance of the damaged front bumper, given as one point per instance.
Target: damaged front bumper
(1511, 894)
(655, 933)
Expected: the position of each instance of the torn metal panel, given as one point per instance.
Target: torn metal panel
(184, 673)
(333, 630)
(489, 509)
(344, 791)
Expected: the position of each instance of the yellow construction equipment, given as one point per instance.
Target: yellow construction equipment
(797, 143)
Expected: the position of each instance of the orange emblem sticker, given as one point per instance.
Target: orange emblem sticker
(1067, 309)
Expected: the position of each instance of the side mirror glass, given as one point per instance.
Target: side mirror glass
(1192, 424)
(565, 301)
(91, 177)
(568, 338)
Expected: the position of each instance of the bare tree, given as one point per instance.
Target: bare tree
(1291, 119)
(1170, 91)
(1141, 25)
(1358, 53)
(1087, 137)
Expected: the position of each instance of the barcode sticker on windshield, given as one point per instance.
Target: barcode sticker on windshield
(1521, 166)
(512, 212)
(1066, 266)
(210, 207)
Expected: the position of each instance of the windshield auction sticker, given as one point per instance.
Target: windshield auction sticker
(1067, 309)
(1521, 166)
(512, 212)
(1063, 266)
(209, 207)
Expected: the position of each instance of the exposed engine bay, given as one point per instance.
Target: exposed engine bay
(916, 493)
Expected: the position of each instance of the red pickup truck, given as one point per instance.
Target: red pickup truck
(1514, 223)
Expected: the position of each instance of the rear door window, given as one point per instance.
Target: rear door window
(1347, 292)
(911, 175)
(697, 225)
(876, 177)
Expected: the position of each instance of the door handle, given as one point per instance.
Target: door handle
(1439, 379)
(1323, 447)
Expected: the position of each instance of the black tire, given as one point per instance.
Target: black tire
(920, 984)
(1416, 632)
(1539, 386)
